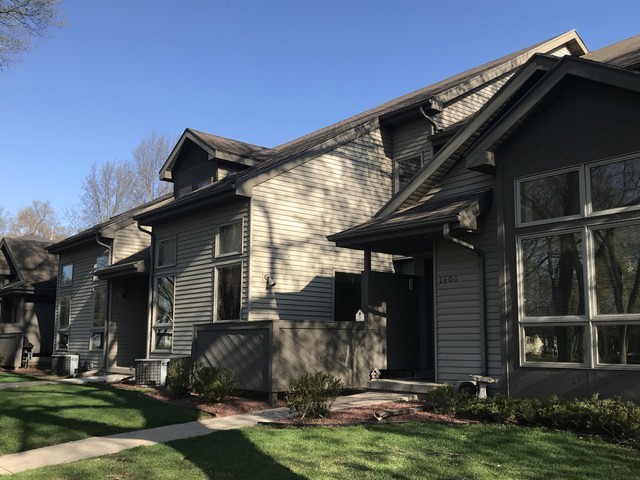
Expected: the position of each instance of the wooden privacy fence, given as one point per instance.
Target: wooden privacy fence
(268, 355)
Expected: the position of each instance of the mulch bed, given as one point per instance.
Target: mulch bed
(251, 403)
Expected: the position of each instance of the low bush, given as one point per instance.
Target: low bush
(612, 418)
(179, 376)
(312, 395)
(213, 384)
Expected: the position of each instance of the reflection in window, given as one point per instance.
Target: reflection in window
(229, 280)
(617, 265)
(64, 311)
(615, 185)
(554, 344)
(619, 344)
(163, 319)
(550, 197)
(166, 255)
(66, 276)
(230, 239)
(553, 275)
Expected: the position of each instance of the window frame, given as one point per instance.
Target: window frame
(585, 224)
(217, 239)
(518, 196)
(161, 241)
(216, 283)
(100, 329)
(156, 326)
(66, 329)
(63, 282)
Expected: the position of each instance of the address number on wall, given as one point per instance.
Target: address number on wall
(446, 279)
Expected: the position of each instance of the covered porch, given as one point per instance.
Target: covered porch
(415, 342)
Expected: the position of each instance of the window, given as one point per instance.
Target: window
(166, 253)
(98, 318)
(407, 168)
(615, 185)
(66, 275)
(228, 291)
(229, 239)
(64, 319)
(64, 311)
(551, 197)
(163, 312)
(102, 261)
(579, 288)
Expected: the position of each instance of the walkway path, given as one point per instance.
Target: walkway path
(98, 446)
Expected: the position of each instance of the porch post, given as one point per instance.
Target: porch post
(365, 283)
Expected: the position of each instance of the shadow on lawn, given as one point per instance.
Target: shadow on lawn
(39, 416)
(230, 454)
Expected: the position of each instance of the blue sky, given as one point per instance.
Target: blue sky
(258, 71)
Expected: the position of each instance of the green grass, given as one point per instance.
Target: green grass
(38, 416)
(7, 377)
(401, 451)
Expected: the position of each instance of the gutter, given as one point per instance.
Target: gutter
(484, 360)
(150, 288)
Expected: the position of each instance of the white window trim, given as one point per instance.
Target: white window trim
(217, 240)
(155, 326)
(215, 288)
(157, 252)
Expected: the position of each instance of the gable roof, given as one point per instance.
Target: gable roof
(105, 229)
(480, 156)
(36, 269)
(217, 147)
(277, 160)
(534, 71)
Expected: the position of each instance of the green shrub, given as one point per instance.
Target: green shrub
(179, 376)
(312, 395)
(214, 384)
(613, 418)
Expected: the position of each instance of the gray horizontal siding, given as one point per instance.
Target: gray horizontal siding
(473, 101)
(128, 241)
(293, 213)
(81, 310)
(194, 270)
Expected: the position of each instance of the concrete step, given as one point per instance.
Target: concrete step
(401, 385)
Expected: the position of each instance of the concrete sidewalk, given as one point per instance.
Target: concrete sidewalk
(98, 446)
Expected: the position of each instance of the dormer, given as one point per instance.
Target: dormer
(200, 159)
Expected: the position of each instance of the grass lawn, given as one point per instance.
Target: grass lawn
(8, 377)
(37, 416)
(401, 451)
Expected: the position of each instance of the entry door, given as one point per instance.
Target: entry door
(401, 296)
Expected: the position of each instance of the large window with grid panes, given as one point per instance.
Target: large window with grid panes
(578, 249)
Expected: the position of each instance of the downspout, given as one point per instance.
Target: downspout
(150, 295)
(108, 306)
(446, 232)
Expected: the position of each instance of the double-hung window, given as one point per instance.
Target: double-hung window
(64, 319)
(578, 239)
